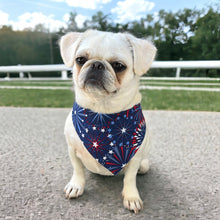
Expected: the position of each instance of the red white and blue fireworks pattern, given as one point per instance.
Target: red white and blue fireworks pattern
(112, 139)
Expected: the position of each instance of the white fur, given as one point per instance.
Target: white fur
(102, 46)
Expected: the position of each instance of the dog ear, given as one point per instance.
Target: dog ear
(68, 46)
(143, 54)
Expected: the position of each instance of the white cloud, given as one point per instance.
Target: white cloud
(4, 18)
(129, 10)
(80, 19)
(89, 4)
(66, 17)
(30, 20)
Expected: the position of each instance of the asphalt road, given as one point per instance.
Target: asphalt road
(183, 182)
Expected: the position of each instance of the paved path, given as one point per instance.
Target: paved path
(183, 182)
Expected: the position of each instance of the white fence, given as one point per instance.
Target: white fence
(178, 65)
(35, 68)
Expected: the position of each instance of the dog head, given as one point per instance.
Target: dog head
(104, 63)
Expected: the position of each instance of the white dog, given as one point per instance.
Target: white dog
(106, 129)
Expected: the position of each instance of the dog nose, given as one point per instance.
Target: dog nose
(97, 66)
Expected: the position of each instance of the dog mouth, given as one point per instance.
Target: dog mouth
(94, 83)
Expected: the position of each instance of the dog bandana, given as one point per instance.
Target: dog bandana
(112, 139)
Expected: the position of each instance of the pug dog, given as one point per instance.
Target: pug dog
(106, 130)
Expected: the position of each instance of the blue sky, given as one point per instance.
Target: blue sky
(54, 13)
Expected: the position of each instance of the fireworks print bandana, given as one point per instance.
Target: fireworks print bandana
(112, 139)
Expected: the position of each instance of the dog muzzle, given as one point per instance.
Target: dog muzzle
(112, 139)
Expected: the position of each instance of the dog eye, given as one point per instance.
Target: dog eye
(81, 60)
(118, 67)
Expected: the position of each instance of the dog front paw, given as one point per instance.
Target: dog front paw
(134, 204)
(73, 190)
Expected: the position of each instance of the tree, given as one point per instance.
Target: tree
(71, 24)
(99, 21)
(23, 47)
(40, 28)
(205, 43)
(171, 32)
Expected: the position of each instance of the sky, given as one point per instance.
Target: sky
(54, 14)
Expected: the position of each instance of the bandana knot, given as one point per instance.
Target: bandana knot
(112, 139)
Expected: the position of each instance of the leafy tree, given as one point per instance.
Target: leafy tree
(99, 21)
(72, 25)
(205, 44)
(6, 36)
(171, 32)
(23, 47)
(40, 28)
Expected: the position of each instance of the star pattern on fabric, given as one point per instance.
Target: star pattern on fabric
(112, 139)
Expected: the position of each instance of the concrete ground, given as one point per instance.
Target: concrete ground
(183, 182)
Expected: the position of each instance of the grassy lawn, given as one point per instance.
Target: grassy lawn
(182, 83)
(36, 83)
(68, 83)
(152, 99)
(180, 100)
(36, 98)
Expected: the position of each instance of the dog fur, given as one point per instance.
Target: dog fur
(111, 91)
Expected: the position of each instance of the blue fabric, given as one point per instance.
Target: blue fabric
(112, 139)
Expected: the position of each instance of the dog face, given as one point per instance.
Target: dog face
(103, 62)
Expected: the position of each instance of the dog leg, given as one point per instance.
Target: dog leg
(144, 167)
(75, 187)
(132, 200)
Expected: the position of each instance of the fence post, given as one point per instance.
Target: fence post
(21, 74)
(8, 76)
(29, 75)
(64, 75)
(178, 72)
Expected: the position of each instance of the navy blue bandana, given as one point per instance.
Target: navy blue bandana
(112, 139)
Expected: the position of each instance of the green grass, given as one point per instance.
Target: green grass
(68, 83)
(36, 98)
(180, 81)
(180, 100)
(151, 99)
(36, 83)
(180, 85)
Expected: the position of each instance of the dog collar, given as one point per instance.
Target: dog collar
(112, 139)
